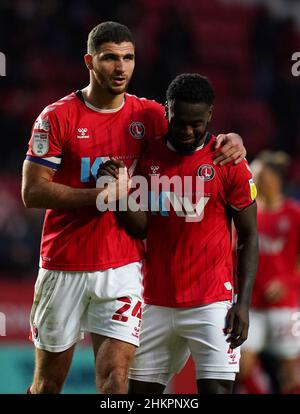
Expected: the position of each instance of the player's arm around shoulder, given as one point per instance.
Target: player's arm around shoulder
(229, 148)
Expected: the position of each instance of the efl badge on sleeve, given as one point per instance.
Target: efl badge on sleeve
(42, 124)
(40, 143)
(253, 190)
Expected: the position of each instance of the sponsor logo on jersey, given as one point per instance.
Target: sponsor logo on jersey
(154, 170)
(40, 143)
(253, 190)
(206, 172)
(137, 130)
(181, 205)
(82, 133)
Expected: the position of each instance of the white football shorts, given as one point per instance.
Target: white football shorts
(67, 304)
(274, 330)
(170, 335)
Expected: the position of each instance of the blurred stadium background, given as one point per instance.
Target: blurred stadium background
(244, 47)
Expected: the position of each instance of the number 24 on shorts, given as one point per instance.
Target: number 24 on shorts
(136, 311)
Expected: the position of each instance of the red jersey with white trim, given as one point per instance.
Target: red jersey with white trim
(74, 139)
(189, 260)
(279, 248)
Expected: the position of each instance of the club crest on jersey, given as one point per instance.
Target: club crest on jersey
(40, 143)
(82, 133)
(206, 172)
(137, 130)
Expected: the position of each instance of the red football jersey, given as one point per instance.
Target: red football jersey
(279, 247)
(73, 138)
(189, 247)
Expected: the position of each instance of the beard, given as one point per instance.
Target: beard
(119, 91)
(105, 83)
(187, 149)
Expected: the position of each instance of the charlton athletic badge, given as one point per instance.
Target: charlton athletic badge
(206, 172)
(137, 130)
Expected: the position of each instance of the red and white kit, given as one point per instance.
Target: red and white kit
(189, 262)
(73, 138)
(189, 280)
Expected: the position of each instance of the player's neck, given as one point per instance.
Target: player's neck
(102, 99)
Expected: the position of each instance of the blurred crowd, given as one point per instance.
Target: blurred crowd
(243, 48)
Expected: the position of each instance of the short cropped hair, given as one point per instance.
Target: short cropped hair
(191, 88)
(108, 32)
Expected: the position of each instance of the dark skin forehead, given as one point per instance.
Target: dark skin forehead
(189, 111)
